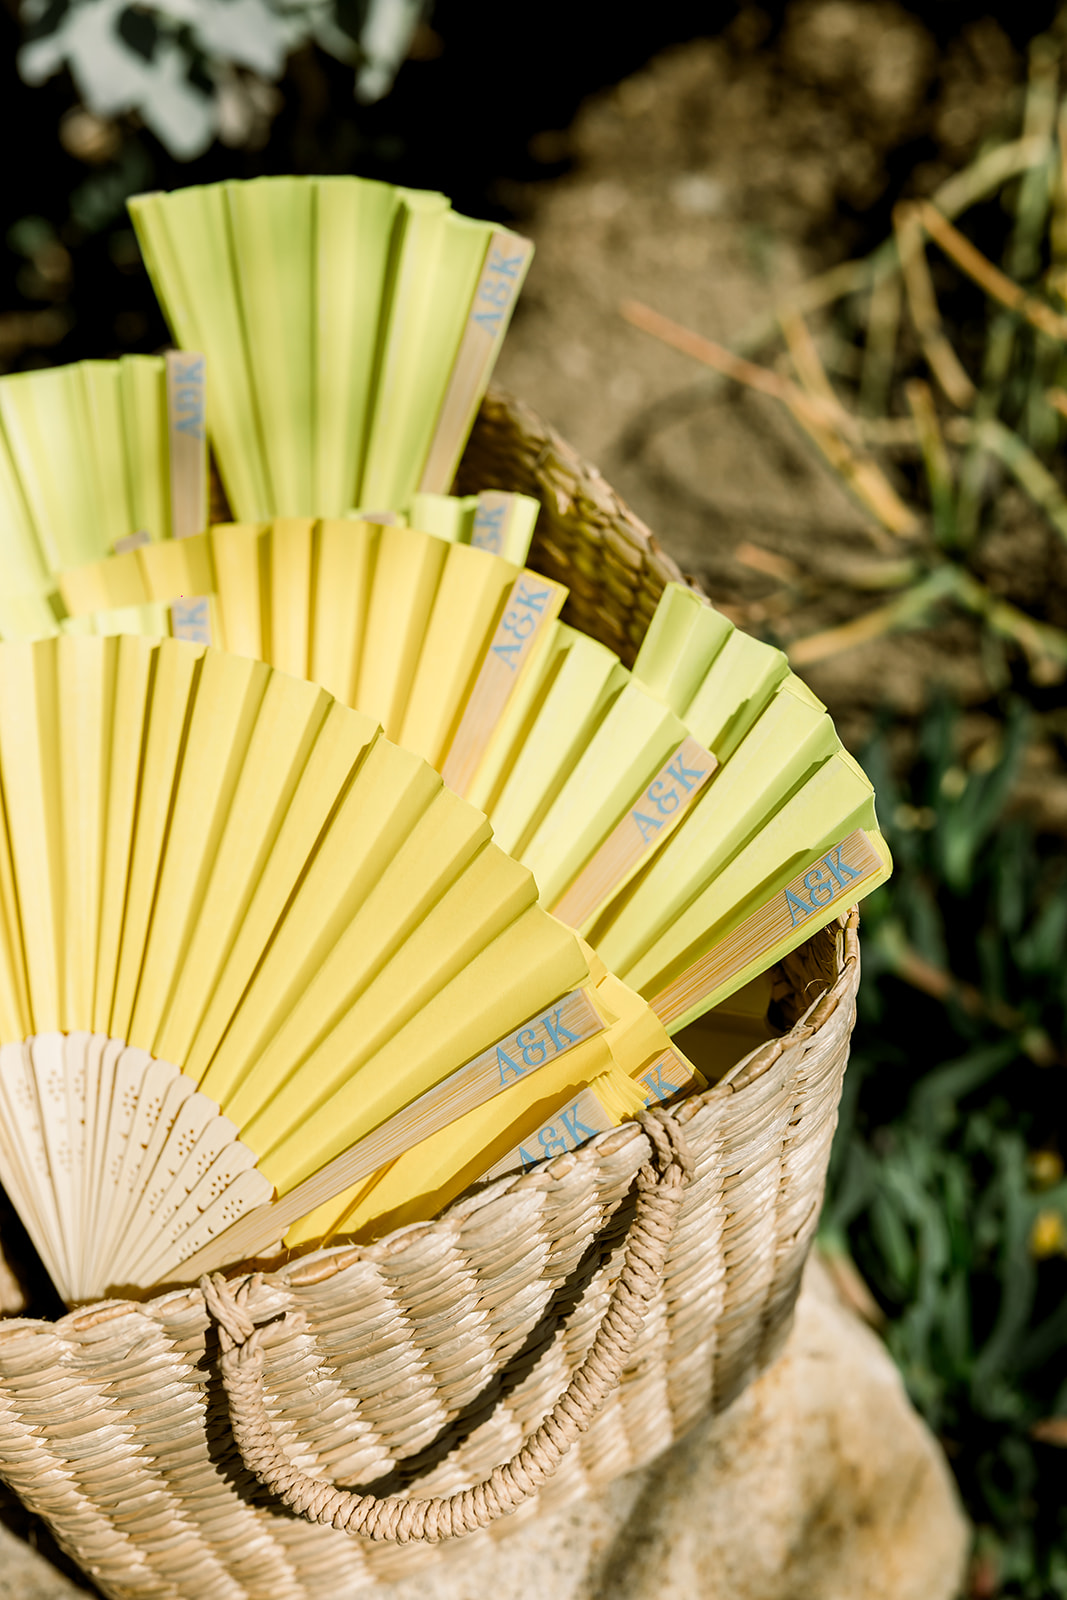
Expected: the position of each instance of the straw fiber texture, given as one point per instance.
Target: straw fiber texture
(418, 1365)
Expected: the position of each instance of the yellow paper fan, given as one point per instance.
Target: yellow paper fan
(673, 814)
(240, 933)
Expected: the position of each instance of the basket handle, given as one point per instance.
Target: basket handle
(661, 1187)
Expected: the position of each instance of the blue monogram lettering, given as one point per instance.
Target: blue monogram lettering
(506, 1065)
(550, 1141)
(665, 800)
(681, 774)
(533, 1052)
(487, 533)
(534, 598)
(796, 905)
(820, 886)
(577, 1129)
(497, 294)
(840, 869)
(657, 1085)
(507, 265)
(556, 1031)
(648, 826)
(190, 621)
(506, 651)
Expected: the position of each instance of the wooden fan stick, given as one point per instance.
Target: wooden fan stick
(651, 819)
(538, 1041)
(667, 1075)
(529, 611)
(841, 876)
(501, 517)
(190, 614)
(569, 1127)
(187, 441)
(506, 262)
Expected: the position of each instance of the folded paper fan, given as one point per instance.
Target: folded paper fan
(248, 947)
(628, 795)
(350, 328)
(92, 457)
(566, 1103)
(390, 619)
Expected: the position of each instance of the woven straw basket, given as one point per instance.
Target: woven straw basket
(413, 1368)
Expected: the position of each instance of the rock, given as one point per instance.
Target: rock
(820, 1482)
(25, 1574)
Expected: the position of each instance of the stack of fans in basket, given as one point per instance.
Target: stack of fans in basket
(336, 872)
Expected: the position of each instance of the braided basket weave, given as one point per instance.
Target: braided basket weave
(416, 1366)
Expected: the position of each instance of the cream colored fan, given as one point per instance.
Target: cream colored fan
(350, 328)
(93, 457)
(248, 947)
(628, 795)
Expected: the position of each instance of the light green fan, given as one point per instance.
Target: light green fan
(97, 456)
(350, 329)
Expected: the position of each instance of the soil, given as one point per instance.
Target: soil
(709, 185)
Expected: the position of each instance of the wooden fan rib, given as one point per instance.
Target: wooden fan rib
(772, 926)
(490, 305)
(154, 1101)
(48, 1062)
(99, 1107)
(195, 1143)
(26, 1173)
(818, 816)
(135, 1216)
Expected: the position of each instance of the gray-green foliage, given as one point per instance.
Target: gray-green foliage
(194, 70)
(935, 1187)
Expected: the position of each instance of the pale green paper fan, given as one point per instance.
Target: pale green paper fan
(85, 464)
(350, 329)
